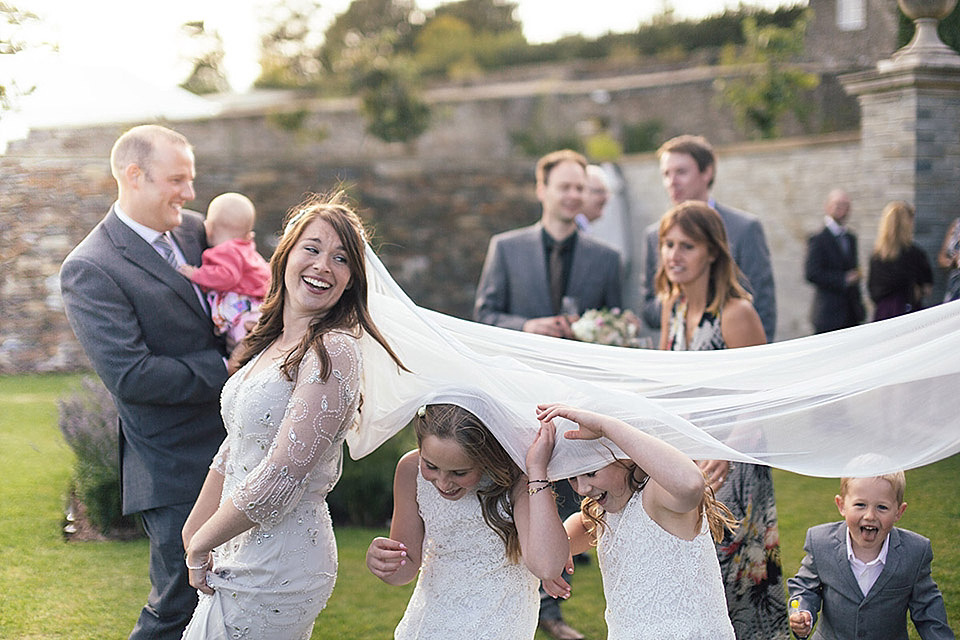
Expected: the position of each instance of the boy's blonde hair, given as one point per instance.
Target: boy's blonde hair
(896, 479)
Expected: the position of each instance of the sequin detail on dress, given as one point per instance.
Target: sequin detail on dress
(281, 457)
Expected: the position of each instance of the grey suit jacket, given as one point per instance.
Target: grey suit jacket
(151, 341)
(826, 581)
(748, 245)
(836, 305)
(514, 286)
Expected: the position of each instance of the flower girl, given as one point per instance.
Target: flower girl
(651, 518)
(478, 531)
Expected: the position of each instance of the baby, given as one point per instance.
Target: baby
(234, 276)
(864, 573)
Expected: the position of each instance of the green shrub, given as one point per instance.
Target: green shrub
(88, 422)
(364, 494)
(642, 137)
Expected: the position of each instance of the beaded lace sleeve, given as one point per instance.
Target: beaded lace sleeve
(318, 412)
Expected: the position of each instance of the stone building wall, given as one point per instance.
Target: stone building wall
(433, 204)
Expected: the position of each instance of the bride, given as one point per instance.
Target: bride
(259, 541)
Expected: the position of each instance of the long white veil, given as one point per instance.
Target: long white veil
(860, 401)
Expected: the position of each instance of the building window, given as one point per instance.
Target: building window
(851, 15)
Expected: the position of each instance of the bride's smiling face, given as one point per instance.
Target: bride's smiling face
(445, 465)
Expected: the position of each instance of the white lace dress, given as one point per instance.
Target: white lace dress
(658, 585)
(281, 457)
(467, 589)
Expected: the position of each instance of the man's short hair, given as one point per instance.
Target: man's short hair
(695, 146)
(136, 146)
(546, 164)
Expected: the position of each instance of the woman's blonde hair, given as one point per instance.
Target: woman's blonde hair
(701, 223)
(718, 516)
(895, 232)
(449, 421)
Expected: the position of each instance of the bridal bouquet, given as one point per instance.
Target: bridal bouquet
(607, 326)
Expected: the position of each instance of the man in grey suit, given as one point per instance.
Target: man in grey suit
(833, 268)
(519, 289)
(536, 277)
(688, 167)
(148, 334)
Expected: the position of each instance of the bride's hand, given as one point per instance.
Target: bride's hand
(197, 570)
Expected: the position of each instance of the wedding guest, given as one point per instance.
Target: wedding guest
(900, 275)
(541, 278)
(688, 168)
(150, 339)
(232, 273)
(864, 573)
(651, 518)
(473, 529)
(832, 266)
(705, 307)
(949, 258)
(260, 545)
(596, 192)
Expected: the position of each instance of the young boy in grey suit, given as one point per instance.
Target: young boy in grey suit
(864, 573)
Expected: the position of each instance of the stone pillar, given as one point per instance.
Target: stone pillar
(910, 129)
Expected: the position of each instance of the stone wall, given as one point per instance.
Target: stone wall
(432, 204)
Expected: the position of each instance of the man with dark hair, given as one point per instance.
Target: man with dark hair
(688, 167)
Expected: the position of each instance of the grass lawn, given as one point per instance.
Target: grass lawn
(94, 590)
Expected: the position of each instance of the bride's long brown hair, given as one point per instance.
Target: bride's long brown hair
(349, 314)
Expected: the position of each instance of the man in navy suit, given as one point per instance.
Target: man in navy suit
(536, 277)
(832, 267)
(148, 334)
(688, 167)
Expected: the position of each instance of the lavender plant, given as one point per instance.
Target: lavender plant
(88, 421)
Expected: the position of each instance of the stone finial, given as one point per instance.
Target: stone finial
(925, 49)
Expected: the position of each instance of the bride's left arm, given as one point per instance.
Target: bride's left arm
(318, 411)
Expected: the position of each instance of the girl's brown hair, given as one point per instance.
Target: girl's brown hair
(350, 313)
(449, 421)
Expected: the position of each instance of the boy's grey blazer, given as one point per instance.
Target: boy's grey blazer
(151, 341)
(826, 580)
(514, 286)
(748, 246)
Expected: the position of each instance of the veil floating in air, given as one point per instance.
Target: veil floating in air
(860, 401)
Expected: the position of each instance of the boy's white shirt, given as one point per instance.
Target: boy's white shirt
(867, 573)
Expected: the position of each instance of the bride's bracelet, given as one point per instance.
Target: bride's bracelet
(532, 481)
(206, 563)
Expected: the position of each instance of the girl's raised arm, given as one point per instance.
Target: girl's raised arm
(679, 479)
(396, 559)
(543, 541)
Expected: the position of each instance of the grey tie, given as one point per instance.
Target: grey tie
(163, 246)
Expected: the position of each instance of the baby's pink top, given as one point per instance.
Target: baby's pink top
(234, 266)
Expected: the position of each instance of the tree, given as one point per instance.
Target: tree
(290, 49)
(208, 75)
(380, 21)
(482, 16)
(13, 22)
(769, 86)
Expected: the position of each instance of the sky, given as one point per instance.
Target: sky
(107, 46)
